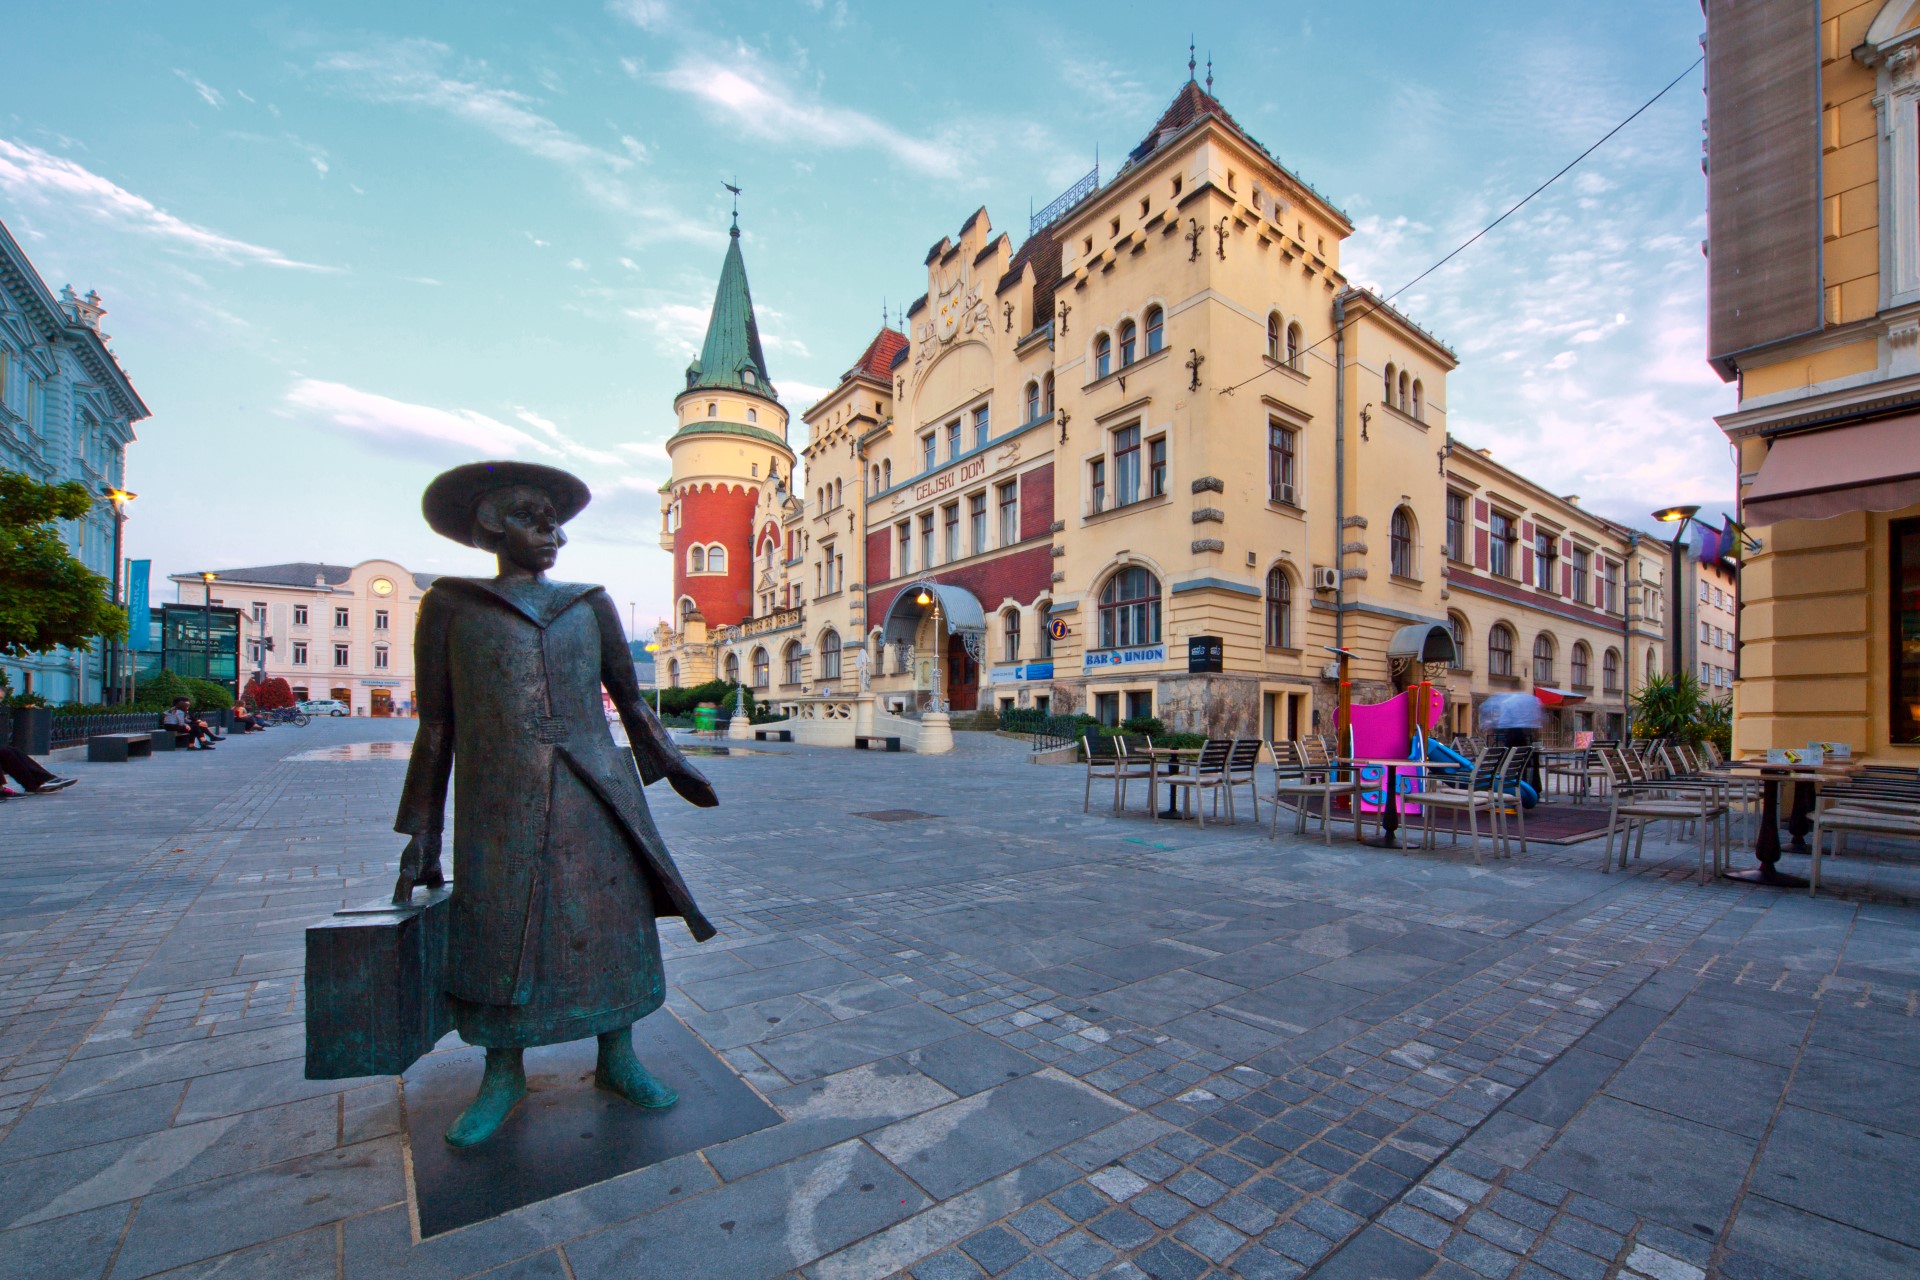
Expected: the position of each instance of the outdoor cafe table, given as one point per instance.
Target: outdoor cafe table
(1154, 756)
(1766, 843)
(1390, 819)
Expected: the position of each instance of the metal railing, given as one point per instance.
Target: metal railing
(1072, 196)
(69, 730)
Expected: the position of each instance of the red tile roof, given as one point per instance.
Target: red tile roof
(878, 359)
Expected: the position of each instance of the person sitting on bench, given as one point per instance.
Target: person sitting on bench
(181, 720)
(245, 721)
(26, 771)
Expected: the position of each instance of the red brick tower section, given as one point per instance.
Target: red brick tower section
(716, 515)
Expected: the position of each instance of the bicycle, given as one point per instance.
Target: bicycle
(284, 715)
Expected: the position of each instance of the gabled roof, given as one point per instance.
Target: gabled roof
(1042, 249)
(301, 573)
(878, 359)
(730, 358)
(20, 278)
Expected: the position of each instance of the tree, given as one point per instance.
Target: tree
(48, 599)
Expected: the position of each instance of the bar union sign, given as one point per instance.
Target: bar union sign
(1099, 658)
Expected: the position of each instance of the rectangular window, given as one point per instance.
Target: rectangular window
(1139, 704)
(341, 655)
(1126, 466)
(380, 654)
(980, 427)
(379, 619)
(341, 618)
(950, 521)
(259, 611)
(1579, 566)
(1610, 585)
(1106, 707)
(1097, 484)
(906, 547)
(1706, 593)
(1500, 544)
(299, 615)
(1156, 466)
(977, 521)
(953, 438)
(1009, 514)
(926, 452)
(299, 653)
(1544, 553)
(1456, 525)
(926, 540)
(1280, 465)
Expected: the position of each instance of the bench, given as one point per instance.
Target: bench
(118, 748)
(875, 742)
(773, 735)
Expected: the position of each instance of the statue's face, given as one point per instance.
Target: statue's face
(531, 531)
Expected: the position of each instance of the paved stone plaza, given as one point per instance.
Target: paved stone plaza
(1006, 1038)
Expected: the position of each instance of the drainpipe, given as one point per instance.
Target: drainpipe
(1626, 636)
(1339, 471)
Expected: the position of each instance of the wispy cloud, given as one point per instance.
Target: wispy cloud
(428, 75)
(679, 327)
(1098, 83)
(384, 420)
(29, 174)
(756, 98)
(566, 443)
(208, 94)
(648, 15)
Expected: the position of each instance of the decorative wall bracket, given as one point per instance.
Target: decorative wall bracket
(1194, 361)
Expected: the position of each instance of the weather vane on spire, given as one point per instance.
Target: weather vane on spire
(1209, 71)
(736, 203)
(1190, 62)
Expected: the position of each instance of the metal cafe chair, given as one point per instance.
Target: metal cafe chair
(1242, 761)
(1208, 773)
(1639, 802)
(1297, 781)
(1107, 760)
(1470, 792)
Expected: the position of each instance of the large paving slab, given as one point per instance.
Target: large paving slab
(1005, 1038)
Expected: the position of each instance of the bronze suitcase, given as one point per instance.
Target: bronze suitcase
(376, 987)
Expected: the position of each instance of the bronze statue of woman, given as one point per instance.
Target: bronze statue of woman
(559, 872)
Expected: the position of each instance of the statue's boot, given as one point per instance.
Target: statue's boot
(619, 1071)
(501, 1089)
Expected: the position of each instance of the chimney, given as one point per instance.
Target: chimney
(1571, 499)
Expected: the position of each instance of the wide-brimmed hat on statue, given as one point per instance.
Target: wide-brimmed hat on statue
(449, 501)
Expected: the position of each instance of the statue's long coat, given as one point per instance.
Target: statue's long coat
(558, 870)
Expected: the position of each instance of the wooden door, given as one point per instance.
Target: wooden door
(963, 677)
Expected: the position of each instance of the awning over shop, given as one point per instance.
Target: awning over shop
(960, 612)
(1552, 697)
(1869, 466)
(1423, 642)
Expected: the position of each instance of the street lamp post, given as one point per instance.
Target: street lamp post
(1681, 516)
(924, 599)
(119, 498)
(206, 628)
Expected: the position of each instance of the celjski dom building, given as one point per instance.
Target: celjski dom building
(1161, 424)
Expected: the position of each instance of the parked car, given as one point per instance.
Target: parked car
(326, 707)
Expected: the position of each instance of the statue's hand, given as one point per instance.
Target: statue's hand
(420, 864)
(693, 786)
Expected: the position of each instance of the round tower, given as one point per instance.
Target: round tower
(728, 450)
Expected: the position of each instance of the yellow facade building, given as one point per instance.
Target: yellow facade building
(1156, 458)
(1813, 166)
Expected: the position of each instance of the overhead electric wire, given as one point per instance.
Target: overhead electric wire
(1469, 241)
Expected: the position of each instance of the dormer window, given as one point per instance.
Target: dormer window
(746, 376)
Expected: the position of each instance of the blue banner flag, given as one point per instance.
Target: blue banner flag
(139, 613)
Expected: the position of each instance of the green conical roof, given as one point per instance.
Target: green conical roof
(730, 359)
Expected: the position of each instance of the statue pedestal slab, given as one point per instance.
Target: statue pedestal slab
(565, 1134)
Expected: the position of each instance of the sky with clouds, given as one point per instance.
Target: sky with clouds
(345, 247)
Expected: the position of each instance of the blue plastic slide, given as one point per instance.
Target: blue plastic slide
(1447, 755)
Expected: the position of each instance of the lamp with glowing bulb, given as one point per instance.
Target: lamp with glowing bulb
(923, 599)
(119, 498)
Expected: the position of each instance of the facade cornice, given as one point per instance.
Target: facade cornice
(24, 283)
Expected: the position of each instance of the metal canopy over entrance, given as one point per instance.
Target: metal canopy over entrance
(960, 611)
(1423, 642)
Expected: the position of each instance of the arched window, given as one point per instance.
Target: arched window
(1046, 395)
(1156, 329)
(1610, 671)
(1294, 338)
(686, 609)
(1127, 335)
(673, 674)
(1500, 650)
(1406, 398)
(1102, 356)
(760, 665)
(1582, 663)
(733, 668)
(830, 655)
(1010, 626)
(1653, 661)
(1033, 401)
(1279, 609)
(1457, 624)
(790, 658)
(716, 559)
(874, 478)
(1400, 543)
(753, 415)
(1419, 401)
(1130, 609)
(1390, 381)
(1273, 336)
(886, 474)
(839, 492)
(1543, 659)
(697, 560)
(713, 410)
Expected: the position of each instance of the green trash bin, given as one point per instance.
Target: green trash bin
(706, 717)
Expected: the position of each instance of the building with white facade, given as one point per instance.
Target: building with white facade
(66, 413)
(328, 630)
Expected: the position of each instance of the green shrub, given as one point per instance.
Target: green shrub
(157, 692)
(721, 693)
(1144, 727)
